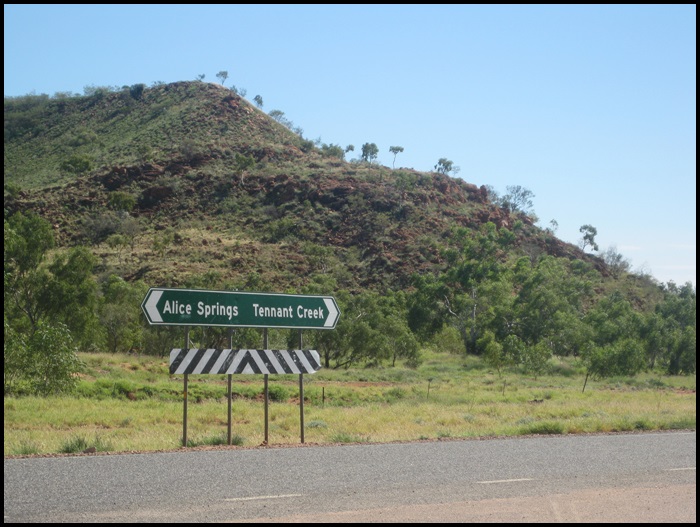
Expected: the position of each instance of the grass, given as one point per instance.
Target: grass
(128, 403)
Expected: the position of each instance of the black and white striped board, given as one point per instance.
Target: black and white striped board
(230, 361)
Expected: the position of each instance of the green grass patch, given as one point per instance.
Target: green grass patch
(128, 403)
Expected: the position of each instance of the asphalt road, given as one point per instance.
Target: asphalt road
(621, 478)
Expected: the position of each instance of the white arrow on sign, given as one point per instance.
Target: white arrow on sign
(151, 308)
(332, 313)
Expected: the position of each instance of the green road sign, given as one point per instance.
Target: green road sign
(196, 307)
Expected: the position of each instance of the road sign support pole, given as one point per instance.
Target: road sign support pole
(267, 394)
(301, 392)
(232, 309)
(184, 399)
(228, 392)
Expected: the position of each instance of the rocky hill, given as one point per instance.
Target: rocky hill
(189, 184)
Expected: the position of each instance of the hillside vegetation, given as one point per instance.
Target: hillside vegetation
(175, 154)
(190, 185)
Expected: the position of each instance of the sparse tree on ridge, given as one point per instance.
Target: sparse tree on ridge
(258, 100)
(617, 263)
(200, 77)
(395, 150)
(444, 166)
(332, 150)
(369, 152)
(223, 75)
(589, 234)
(518, 199)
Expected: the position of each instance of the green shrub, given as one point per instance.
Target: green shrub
(395, 394)
(546, 427)
(77, 164)
(78, 444)
(136, 91)
(26, 448)
(681, 424)
(343, 437)
(277, 392)
(45, 363)
(219, 439)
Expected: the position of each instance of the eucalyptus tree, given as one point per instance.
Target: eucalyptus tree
(547, 312)
(49, 306)
(61, 289)
(42, 363)
(332, 150)
(588, 240)
(616, 346)
(672, 328)
(120, 314)
(444, 166)
(222, 75)
(517, 199)
(475, 285)
(549, 298)
(369, 152)
(395, 150)
(617, 263)
(426, 314)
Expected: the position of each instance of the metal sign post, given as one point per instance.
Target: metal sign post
(267, 394)
(184, 400)
(198, 307)
(228, 391)
(301, 392)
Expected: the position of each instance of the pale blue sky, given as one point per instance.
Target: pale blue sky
(590, 107)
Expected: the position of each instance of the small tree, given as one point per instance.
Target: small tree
(136, 91)
(130, 228)
(617, 263)
(200, 77)
(444, 166)
(162, 241)
(118, 242)
(369, 152)
(395, 150)
(258, 101)
(624, 357)
(495, 354)
(56, 362)
(518, 199)
(242, 164)
(43, 363)
(223, 75)
(120, 316)
(589, 234)
(332, 151)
